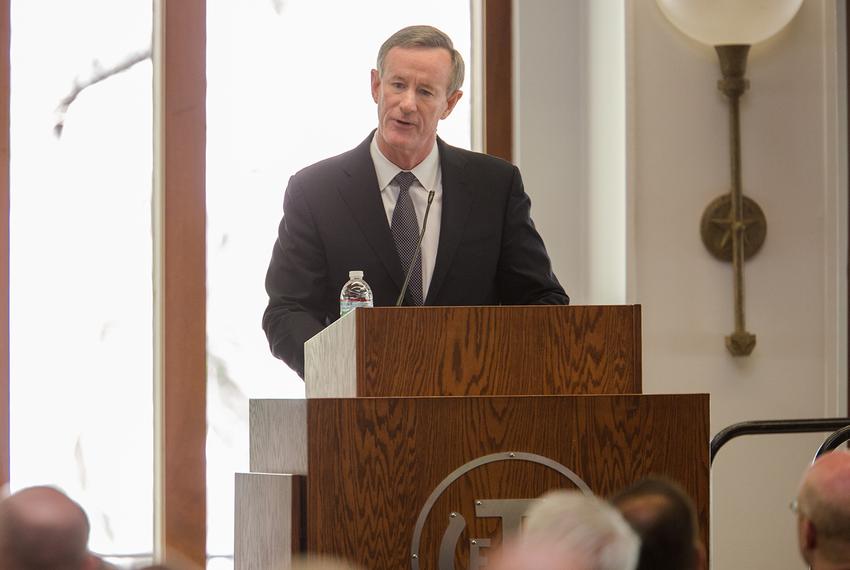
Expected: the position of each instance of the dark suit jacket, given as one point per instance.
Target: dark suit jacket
(334, 221)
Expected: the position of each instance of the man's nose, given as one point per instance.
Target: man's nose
(408, 101)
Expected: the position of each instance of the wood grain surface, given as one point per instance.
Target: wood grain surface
(498, 77)
(533, 350)
(5, 36)
(180, 281)
(373, 462)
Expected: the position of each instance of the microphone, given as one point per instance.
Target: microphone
(418, 252)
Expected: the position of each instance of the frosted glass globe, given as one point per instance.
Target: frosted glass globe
(729, 22)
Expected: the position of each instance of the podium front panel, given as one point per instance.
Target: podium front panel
(376, 464)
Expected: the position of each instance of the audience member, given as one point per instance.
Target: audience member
(823, 512)
(665, 518)
(42, 529)
(322, 563)
(524, 553)
(568, 530)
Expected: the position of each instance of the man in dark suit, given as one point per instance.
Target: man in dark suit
(361, 210)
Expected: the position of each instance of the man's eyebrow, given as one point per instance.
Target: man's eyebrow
(396, 77)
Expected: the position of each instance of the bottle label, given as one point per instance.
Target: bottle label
(348, 306)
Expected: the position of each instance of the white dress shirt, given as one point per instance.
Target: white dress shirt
(428, 177)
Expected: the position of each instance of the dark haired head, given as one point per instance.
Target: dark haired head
(665, 518)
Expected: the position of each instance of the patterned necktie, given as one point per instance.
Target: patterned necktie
(405, 229)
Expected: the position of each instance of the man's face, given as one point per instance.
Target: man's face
(412, 96)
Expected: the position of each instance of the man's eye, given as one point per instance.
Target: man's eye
(425, 92)
(398, 85)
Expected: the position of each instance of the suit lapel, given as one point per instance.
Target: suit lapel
(360, 193)
(458, 196)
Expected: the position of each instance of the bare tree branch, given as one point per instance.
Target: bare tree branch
(97, 75)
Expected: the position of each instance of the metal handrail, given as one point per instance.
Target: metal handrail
(834, 440)
(811, 425)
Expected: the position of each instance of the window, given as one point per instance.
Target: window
(288, 84)
(81, 298)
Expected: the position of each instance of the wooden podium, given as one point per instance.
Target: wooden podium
(428, 431)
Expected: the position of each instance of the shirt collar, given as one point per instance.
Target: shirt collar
(425, 172)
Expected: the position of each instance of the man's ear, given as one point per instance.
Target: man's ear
(376, 85)
(451, 102)
(808, 535)
(702, 559)
(807, 538)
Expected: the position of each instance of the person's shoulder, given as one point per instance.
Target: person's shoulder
(335, 165)
(481, 160)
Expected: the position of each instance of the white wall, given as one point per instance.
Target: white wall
(569, 136)
(675, 135)
(549, 130)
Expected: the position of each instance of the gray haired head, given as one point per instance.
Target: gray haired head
(584, 527)
(424, 37)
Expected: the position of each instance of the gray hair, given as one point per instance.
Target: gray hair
(585, 527)
(424, 37)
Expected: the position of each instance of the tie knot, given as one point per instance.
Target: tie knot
(404, 179)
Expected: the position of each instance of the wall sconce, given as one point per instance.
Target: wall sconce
(733, 227)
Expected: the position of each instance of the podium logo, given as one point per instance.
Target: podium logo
(508, 511)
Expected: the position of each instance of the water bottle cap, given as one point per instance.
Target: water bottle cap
(355, 274)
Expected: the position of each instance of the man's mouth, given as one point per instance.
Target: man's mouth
(403, 123)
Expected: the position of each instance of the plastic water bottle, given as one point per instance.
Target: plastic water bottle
(355, 293)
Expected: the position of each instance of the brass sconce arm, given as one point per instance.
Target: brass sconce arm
(733, 227)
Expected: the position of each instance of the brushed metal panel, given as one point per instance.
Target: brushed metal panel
(266, 521)
(330, 360)
(278, 436)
